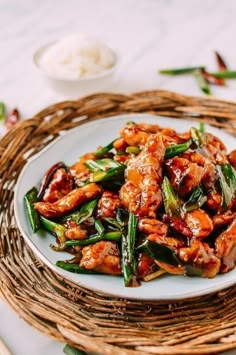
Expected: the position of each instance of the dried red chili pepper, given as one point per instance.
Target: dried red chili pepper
(211, 79)
(12, 119)
(220, 62)
(47, 177)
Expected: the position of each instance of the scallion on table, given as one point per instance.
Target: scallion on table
(178, 71)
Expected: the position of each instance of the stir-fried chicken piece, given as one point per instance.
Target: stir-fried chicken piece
(141, 193)
(171, 269)
(232, 158)
(69, 202)
(73, 231)
(103, 257)
(146, 265)
(225, 246)
(223, 219)
(149, 127)
(61, 184)
(199, 223)
(172, 242)
(79, 170)
(209, 175)
(214, 200)
(152, 226)
(108, 204)
(201, 258)
(184, 175)
(120, 144)
(170, 137)
(134, 135)
(216, 148)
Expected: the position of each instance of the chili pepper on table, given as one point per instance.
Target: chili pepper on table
(12, 119)
(202, 82)
(212, 79)
(221, 63)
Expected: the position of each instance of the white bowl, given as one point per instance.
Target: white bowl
(75, 87)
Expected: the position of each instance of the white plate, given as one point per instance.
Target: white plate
(68, 148)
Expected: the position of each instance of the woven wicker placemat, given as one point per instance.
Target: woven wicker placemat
(83, 318)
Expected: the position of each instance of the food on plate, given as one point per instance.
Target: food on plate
(151, 202)
(76, 56)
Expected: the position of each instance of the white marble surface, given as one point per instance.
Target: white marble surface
(147, 34)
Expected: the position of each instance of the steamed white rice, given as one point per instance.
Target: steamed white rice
(76, 56)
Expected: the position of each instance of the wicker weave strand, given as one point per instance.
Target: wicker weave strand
(88, 320)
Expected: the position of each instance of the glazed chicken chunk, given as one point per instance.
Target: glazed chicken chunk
(69, 202)
(141, 193)
(103, 257)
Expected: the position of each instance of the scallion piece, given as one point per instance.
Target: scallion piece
(113, 222)
(74, 268)
(58, 230)
(170, 199)
(112, 236)
(198, 137)
(227, 178)
(178, 71)
(177, 149)
(129, 265)
(225, 74)
(160, 252)
(104, 149)
(33, 216)
(85, 212)
(101, 165)
(111, 174)
(99, 227)
(195, 201)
